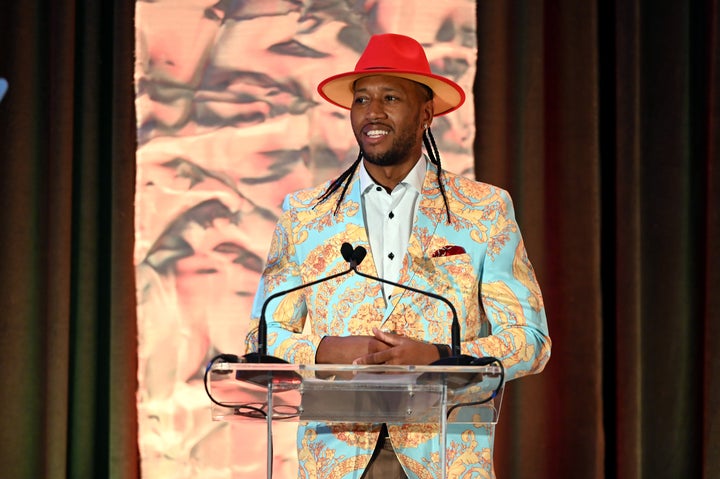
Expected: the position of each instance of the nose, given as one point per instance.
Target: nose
(375, 110)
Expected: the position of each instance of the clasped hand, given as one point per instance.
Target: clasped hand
(380, 348)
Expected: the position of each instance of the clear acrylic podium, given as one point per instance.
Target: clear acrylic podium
(340, 393)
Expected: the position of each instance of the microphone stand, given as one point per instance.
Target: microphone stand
(456, 358)
(261, 355)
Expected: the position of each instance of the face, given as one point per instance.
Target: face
(387, 116)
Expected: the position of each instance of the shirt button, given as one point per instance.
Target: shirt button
(391, 215)
(391, 256)
(378, 188)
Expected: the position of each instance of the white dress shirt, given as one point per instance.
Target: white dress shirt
(389, 218)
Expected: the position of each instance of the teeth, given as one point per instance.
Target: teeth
(374, 133)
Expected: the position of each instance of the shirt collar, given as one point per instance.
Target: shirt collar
(414, 178)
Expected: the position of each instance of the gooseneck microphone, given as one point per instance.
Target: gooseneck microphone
(355, 256)
(261, 355)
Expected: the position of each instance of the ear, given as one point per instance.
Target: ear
(427, 114)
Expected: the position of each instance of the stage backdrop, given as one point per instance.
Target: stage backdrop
(229, 122)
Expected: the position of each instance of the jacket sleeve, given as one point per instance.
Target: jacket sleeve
(511, 300)
(286, 314)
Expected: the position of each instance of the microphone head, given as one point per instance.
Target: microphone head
(359, 254)
(347, 252)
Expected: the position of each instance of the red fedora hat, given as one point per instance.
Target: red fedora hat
(395, 55)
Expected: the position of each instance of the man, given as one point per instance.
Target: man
(422, 227)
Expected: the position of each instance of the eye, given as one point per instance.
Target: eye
(360, 100)
(391, 98)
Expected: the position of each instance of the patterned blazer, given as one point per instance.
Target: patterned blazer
(490, 283)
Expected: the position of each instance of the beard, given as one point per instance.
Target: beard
(398, 152)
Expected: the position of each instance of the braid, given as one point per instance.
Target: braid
(434, 155)
(345, 177)
(344, 180)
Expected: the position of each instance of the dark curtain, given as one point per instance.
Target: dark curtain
(68, 334)
(601, 118)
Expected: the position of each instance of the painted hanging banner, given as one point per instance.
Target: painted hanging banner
(228, 123)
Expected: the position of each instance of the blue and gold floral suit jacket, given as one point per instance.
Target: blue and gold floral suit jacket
(492, 282)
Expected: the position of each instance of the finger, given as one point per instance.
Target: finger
(370, 359)
(386, 337)
(361, 360)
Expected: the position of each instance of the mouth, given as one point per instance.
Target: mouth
(375, 133)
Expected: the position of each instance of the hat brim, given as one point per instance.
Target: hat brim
(447, 95)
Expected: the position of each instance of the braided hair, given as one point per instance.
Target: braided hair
(345, 177)
(434, 155)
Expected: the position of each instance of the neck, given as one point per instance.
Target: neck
(389, 176)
